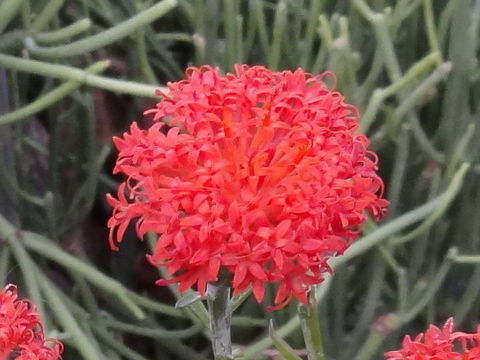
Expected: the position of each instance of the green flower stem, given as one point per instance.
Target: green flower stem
(279, 24)
(49, 250)
(51, 97)
(47, 14)
(423, 141)
(315, 10)
(399, 166)
(155, 306)
(386, 252)
(434, 285)
(86, 294)
(27, 267)
(470, 295)
(151, 332)
(467, 259)
(8, 10)
(64, 33)
(248, 321)
(13, 40)
(386, 44)
(368, 305)
(230, 29)
(394, 321)
(309, 321)
(64, 317)
(281, 345)
(238, 300)
(46, 248)
(460, 151)
(442, 206)
(4, 264)
(146, 69)
(71, 73)
(418, 95)
(252, 352)
(430, 25)
(261, 24)
(26, 15)
(174, 36)
(380, 95)
(106, 37)
(219, 308)
(175, 346)
(116, 345)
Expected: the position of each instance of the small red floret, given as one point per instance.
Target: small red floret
(439, 344)
(261, 173)
(21, 333)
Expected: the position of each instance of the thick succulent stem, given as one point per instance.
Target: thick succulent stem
(219, 307)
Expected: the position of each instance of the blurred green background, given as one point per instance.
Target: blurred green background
(410, 66)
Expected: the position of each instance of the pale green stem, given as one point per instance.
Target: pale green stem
(470, 294)
(148, 74)
(106, 37)
(64, 33)
(430, 25)
(230, 29)
(440, 209)
(4, 264)
(380, 95)
(281, 345)
(27, 266)
(423, 141)
(220, 310)
(238, 300)
(87, 271)
(309, 321)
(155, 306)
(150, 331)
(51, 97)
(65, 318)
(417, 96)
(467, 259)
(116, 345)
(460, 150)
(279, 24)
(46, 248)
(71, 73)
(48, 12)
(392, 322)
(8, 10)
(259, 14)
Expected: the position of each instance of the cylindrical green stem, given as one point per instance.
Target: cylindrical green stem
(309, 321)
(106, 37)
(8, 10)
(71, 73)
(219, 307)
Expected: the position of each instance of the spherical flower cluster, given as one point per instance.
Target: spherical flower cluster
(21, 333)
(439, 344)
(260, 173)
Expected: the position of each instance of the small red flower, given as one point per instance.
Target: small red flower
(439, 344)
(261, 173)
(21, 333)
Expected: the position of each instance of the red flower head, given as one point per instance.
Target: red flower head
(439, 344)
(21, 333)
(261, 173)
